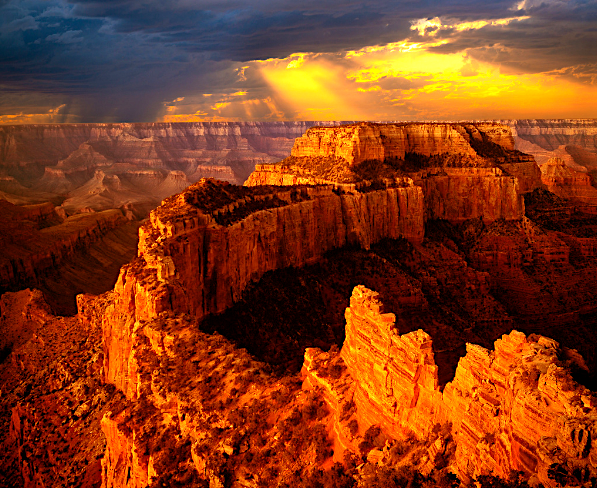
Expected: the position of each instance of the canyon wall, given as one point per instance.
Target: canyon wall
(358, 143)
(151, 161)
(559, 178)
(513, 408)
(101, 166)
(573, 140)
(459, 194)
(465, 170)
(204, 246)
(36, 238)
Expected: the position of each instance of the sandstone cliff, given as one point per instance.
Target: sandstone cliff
(203, 247)
(514, 408)
(466, 170)
(561, 179)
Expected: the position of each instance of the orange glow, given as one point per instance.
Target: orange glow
(397, 81)
(359, 85)
(315, 89)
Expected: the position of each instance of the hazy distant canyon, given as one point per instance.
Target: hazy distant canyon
(94, 167)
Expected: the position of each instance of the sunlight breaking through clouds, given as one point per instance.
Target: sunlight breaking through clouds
(144, 61)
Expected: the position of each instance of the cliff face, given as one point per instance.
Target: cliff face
(514, 408)
(572, 140)
(44, 162)
(43, 248)
(457, 194)
(568, 183)
(465, 170)
(204, 246)
(396, 376)
(362, 142)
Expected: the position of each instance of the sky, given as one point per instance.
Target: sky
(232, 60)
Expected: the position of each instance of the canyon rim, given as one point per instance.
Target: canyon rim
(388, 304)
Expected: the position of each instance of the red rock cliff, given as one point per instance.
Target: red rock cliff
(203, 247)
(514, 408)
(466, 170)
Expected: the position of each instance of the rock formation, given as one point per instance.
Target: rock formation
(40, 245)
(204, 246)
(180, 405)
(572, 140)
(514, 408)
(466, 170)
(103, 166)
(561, 179)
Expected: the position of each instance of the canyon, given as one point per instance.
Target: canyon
(104, 166)
(244, 344)
(84, 167)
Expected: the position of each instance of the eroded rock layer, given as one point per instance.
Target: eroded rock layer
(203, 247)
(465, 170)
(61, 255)
(559, 178)
(102, 166)
(515, 408)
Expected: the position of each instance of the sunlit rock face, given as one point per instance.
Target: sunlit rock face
(465, 170)
(566, 182)
(513, 408)
(363, 142)
(396, 376)
(202, 247)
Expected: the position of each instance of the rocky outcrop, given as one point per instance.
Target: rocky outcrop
(203, 247)
(465, 170)
(514, 408)
(52, 397)
(517, 408)
(396, 376)
(362, 142)
(561, 179)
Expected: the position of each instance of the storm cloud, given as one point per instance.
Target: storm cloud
(127, 60)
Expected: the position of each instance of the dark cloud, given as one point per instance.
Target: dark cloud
(121, 59)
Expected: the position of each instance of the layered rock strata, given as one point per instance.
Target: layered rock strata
(203, 247)
(396, 376)
(514, 408)
(37, 238)
(54, 162)
(466, 170)
(564, 181)
(62, 256)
